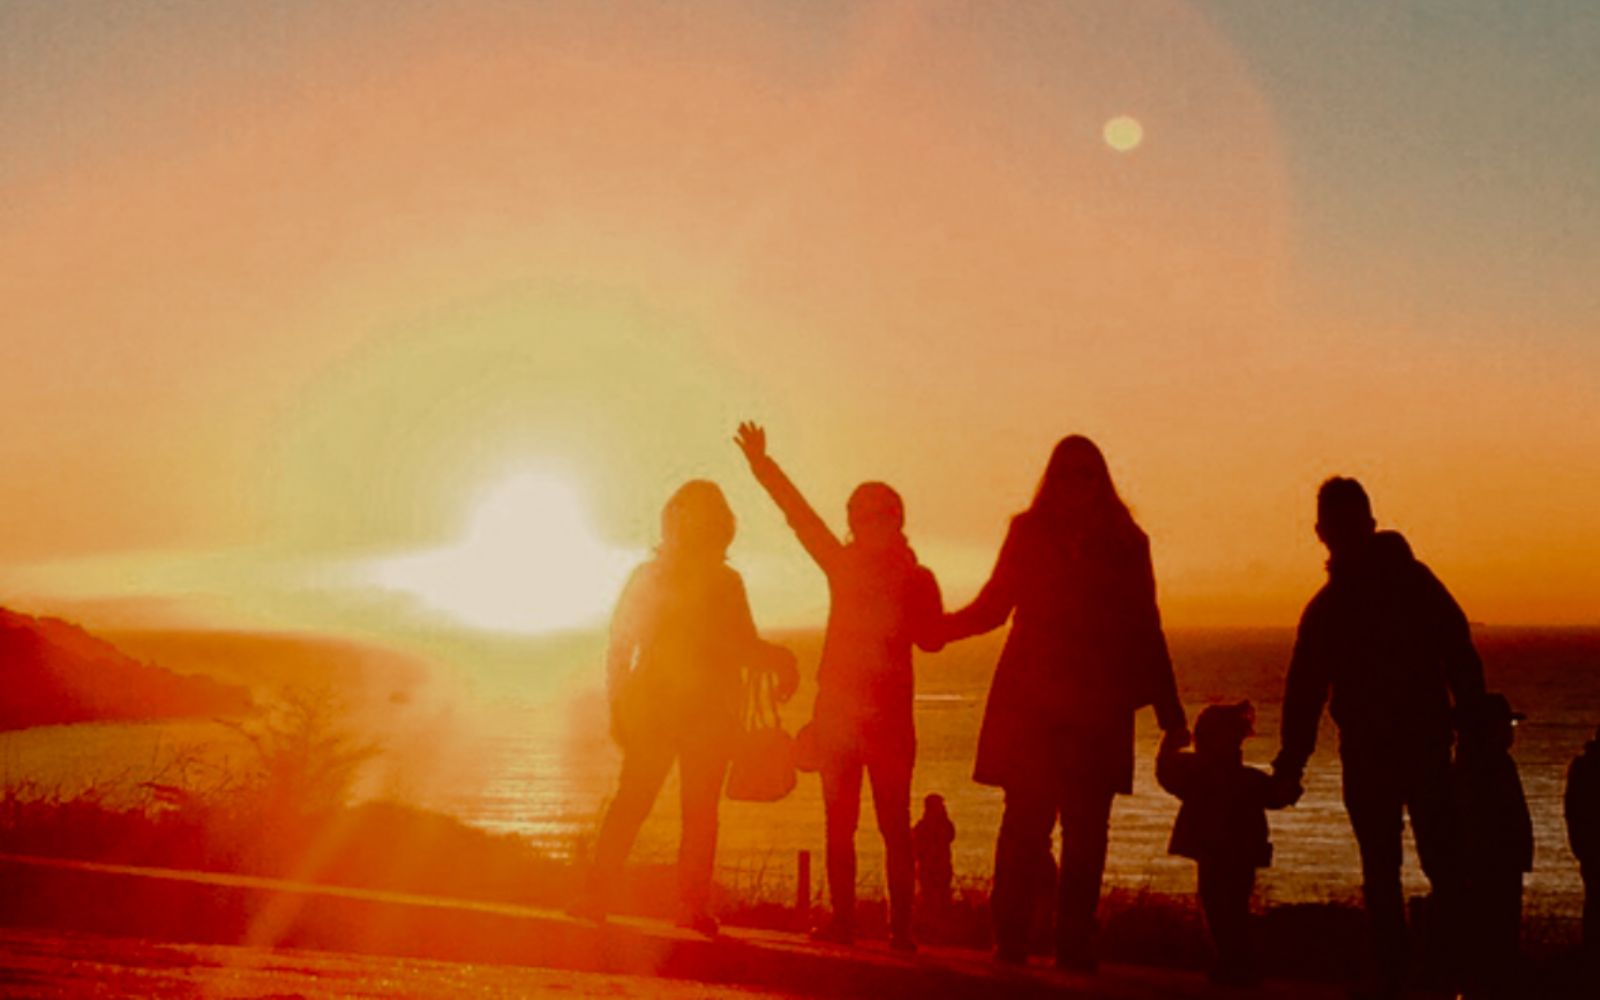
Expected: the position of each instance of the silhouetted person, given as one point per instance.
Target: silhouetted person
(1582, 806)
(1085, 652)
(1388, 644)
(681, 641)
(1496, 844)
(1223, 825)
(881, 602)
(933, 837)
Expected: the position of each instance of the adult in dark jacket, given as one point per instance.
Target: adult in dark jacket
(1085, 653)
(682, 642)
(1582, 803)
(1385, 641)
(881, 603)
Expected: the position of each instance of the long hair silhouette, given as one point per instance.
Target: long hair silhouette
(1084, 654)
(1076, 491)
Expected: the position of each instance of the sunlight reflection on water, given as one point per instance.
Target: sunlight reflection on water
(543, 767)
(553, 782)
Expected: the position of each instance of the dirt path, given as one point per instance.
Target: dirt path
(49, 966)
(79, 929)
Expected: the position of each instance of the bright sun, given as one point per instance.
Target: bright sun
(528, 561)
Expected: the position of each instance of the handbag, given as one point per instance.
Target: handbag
(807, 752)
(763, 758)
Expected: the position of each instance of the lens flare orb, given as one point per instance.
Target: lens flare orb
(1123, 133)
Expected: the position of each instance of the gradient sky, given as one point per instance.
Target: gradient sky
(294, 291)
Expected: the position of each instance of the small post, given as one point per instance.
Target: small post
(802, 890)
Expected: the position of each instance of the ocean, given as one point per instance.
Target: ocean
(511, 736)
(553, 776)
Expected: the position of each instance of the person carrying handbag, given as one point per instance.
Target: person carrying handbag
(764, 761)
(682, 642)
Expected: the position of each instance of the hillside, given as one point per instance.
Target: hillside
(53, 672)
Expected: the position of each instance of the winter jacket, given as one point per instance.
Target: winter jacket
(1386, 641)
(881, 603)
(1224, 813)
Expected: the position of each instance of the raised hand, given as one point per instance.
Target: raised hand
(752, 440)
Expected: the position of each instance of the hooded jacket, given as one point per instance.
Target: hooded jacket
(1385, 642)
(881, 603)
(1223, 817)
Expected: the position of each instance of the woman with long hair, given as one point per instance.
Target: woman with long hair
(881, 602)
(1085, 653)
(682, 642)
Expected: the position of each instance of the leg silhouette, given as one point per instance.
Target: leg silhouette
(891, 802)
(644, 771)
(1085, 822)
(1030, 815)
(841, 795)
(701, 774)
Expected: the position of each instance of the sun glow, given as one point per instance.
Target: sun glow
(529, 561)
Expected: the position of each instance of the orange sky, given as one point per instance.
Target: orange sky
(289, 292)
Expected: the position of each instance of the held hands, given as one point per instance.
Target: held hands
(1289, 782)
(752, 440)
(1174, 740)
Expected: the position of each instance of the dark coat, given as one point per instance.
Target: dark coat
(1582, 804)
(1386, 641)
(1224, 813)
(1085, 652)
(1491, 812)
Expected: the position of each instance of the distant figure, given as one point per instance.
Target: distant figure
(1496, 844)
(881, 602)
(1583, 832)
(681, 641)
(933, 837)
(1223, 825)
(1389, 644)
(1085, 652)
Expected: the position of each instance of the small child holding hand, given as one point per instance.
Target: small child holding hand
(1496, 843)
(1223, 825)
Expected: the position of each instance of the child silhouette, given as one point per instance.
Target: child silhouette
(1496, 842)
(1581, 803)
(1223, 825)
(931, 838)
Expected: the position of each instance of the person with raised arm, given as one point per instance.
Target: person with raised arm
(881, 603)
